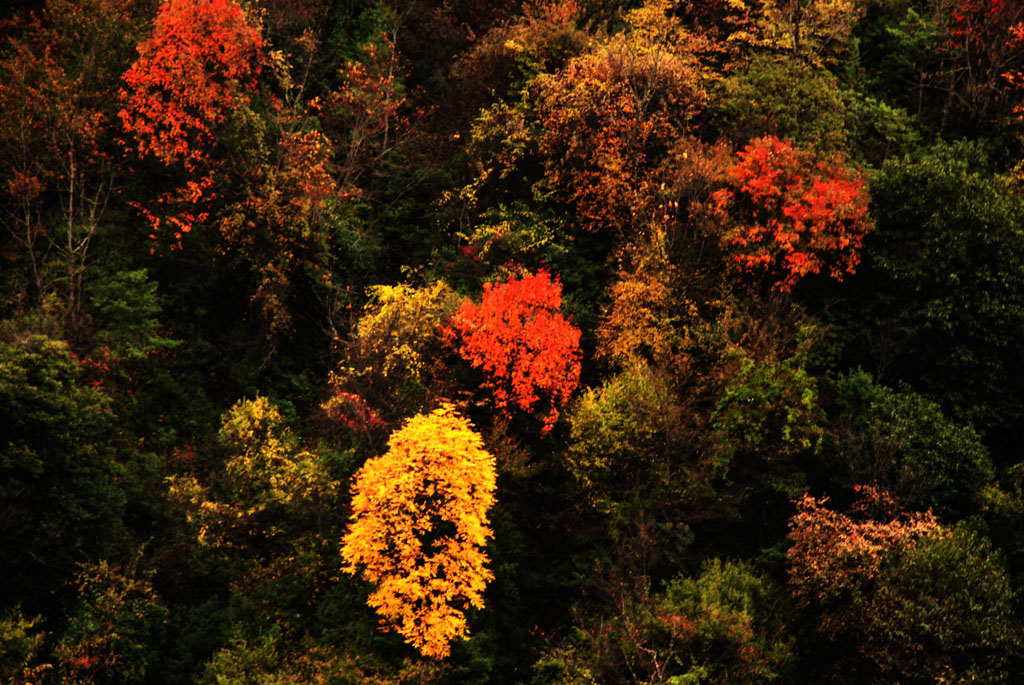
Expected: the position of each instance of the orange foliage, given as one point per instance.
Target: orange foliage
(834, 554)
(522, 342)
(200, 63)
(1015, 76)
(795, 214)
(419, 526)
(201, 58)
(608, 115)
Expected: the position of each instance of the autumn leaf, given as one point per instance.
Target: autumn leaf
(518, 337)
(419, 527)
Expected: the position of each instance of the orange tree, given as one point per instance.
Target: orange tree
(419, 526)
(522, 342)
(611, 112)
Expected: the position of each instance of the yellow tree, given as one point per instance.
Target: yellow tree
(419, 526)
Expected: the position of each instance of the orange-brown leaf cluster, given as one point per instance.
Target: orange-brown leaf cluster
(833, 554)
(611, 112)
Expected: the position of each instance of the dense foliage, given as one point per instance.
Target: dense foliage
(649, 341)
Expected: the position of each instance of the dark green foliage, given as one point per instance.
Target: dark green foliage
(939, 299)
(57, 473)
(943, 610)
(114, 629)
(903, 442)
(128, 313)
(766, 427)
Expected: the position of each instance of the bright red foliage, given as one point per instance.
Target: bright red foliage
(522, 342)
(201, 58)
(796, 214)
(199, 63)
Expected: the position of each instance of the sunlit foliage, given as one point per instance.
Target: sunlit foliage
(796, 214)
(419, 527)
(518, 337)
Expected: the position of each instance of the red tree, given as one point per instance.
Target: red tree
(200, 59)
(522, 342)
(200, 62)
(793, 214)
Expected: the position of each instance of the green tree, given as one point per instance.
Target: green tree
(786, 97)
(269, 486)
(939, 299)
(903, 442)
(114, 628)
(58, 484)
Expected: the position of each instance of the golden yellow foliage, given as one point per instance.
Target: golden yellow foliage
(266, 475)
(810, 28)
(419, 526)
(387, 361)
(400, 322)
(642, 321)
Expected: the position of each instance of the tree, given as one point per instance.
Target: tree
(609, 115)
(786, 97)
(984, 54)
(198, 62)
(58, 477)
(904, 443)
(727, 625)
(795, 214)
(521, 341)
(900, 598)
(732, 620)
(625, 450)
(114, 629)
(811, 29)
(419, 526)
(59, 71)
(389, 357)
(939, 299)
(198, 65)
(642, 319)
(269, 484)
(1015, 76)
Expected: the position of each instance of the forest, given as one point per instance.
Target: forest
(531, 341)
